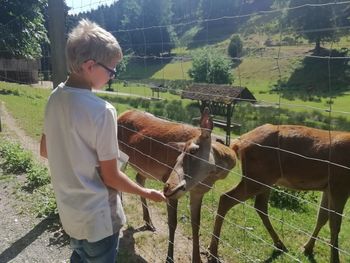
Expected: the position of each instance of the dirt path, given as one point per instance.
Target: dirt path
(25, 238)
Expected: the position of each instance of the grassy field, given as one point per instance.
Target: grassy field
(142, 90)
(273, 74)
(242, 232)
(157, 69)
(26, 105)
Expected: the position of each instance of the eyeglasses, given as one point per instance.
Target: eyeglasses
(111, 72)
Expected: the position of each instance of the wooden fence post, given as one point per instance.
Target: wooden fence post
(57, 41)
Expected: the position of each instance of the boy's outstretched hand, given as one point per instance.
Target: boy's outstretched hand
(155, 195)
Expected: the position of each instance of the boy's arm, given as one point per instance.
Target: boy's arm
(43, 150)
(116, 179)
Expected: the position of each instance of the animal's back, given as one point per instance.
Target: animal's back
(296, 155)
(145, 139)
(299, 139)
(151, 126)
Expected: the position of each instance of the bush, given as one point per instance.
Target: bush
(288, 40)
(235, 47)
(145, 103)
(37, 176)
(16, 160)
(160, 104)
(192, 111)
(135, 102)
(175, 111)
(157, 112)
(47, 205)
(176, 86)
(250, 117)
(210, 66)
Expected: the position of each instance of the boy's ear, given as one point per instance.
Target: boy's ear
(88, 64)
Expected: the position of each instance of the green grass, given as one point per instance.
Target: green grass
(142, 90)
(141, 69)
(287, 223)
(245, 239)
(174, 71)
(157, 69)
(261, 76)
(26, 105)
(260, 72)
(31, 179)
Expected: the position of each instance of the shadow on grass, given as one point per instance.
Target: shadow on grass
(213, 32)
(311, 259)
(127, 253)
(139, 68)
(311, 81)
(277, 253)
(50, 224)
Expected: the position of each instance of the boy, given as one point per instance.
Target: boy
(80, 142)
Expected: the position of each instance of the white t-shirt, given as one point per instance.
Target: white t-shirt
(80, 131)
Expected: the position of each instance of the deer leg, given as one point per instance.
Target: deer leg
(195, 203)
(172, 224)
(261, 206)
(227, 201)
(337, 202)
(146, 217)
(322, 219)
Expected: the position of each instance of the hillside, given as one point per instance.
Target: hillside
(299, 75)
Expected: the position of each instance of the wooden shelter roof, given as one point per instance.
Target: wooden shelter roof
(217, 93)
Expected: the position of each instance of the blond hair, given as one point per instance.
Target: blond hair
(89, 41)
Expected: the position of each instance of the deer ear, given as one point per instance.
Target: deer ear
(180, 146)
(206, 121)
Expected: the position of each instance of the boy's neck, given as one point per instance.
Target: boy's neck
(76, 81)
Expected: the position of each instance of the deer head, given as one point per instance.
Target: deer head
(195, 163)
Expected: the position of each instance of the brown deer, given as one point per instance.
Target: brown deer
(295, 157)
(180, 156)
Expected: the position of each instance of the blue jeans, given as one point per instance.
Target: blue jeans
(102, 251)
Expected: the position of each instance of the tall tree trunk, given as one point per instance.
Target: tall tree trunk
(318, 47)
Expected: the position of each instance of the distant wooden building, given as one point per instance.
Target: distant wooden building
(221, 100)
(19, 70)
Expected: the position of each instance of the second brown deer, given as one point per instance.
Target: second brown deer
(295, 157)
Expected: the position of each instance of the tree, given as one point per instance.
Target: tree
(185, 10)
(122, 66)
(315, 23)
(211, 66)
(158, 36)
(219, 8)
(22, 28)
(139, 25)
(235, 47)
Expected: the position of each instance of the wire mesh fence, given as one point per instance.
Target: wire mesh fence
(293, 84)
